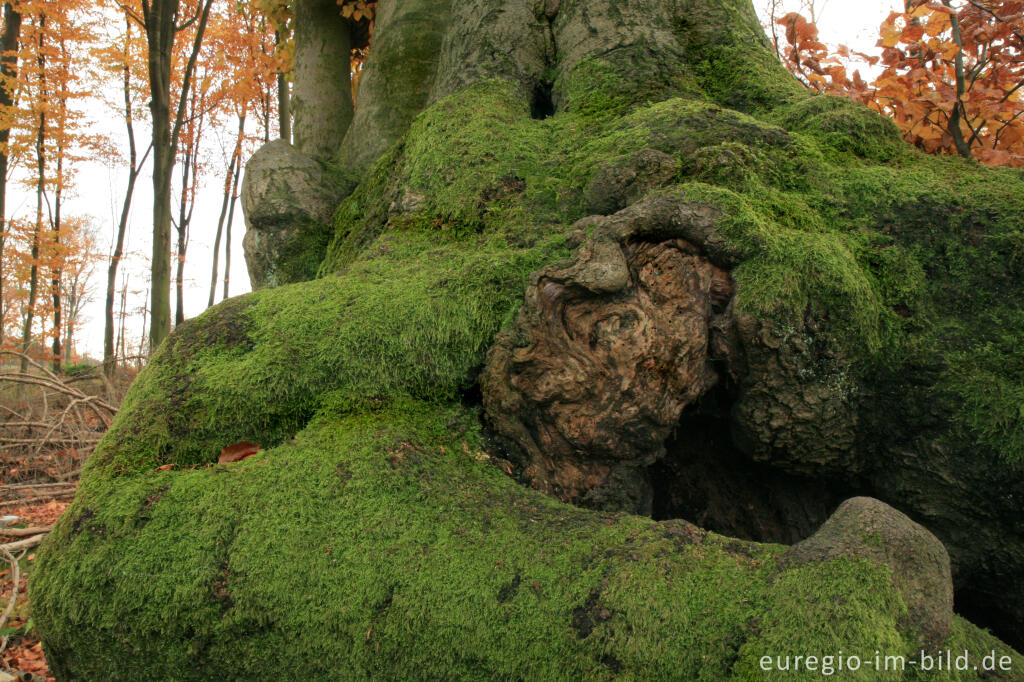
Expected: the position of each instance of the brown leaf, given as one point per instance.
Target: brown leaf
(237, 452)
(165, 467)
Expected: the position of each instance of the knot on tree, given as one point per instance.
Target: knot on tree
(605, 355)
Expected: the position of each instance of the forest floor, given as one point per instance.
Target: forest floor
(23, 651)
(49, 423)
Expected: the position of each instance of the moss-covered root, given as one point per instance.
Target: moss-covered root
(385, 546)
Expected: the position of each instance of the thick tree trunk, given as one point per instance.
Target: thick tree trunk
(396, 80)
(611, 252)
(323, 93)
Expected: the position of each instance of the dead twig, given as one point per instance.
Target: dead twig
(40, 498)
(19, 545)
(25, 532)
(16, 575)
(23, 486)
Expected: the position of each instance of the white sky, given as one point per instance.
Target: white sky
(851, 22)
(100, 190)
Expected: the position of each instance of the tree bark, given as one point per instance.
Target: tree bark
(9, 68)
(134, 170)
(159, 23)
(230, 187)
(33, 287)
(323, 90)
(396, 80)
(56, 266)
(737, 311)
(284, 101)
(189, 183)
(227, 232)
(159, 19)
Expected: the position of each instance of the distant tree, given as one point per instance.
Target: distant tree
(9, 38)
(952, 79)
(123, 58)
(163, 20)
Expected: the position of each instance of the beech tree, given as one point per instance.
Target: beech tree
(8, 84)
(952, 77)
(163, 21)
(123, 59)
(50, 126)
(560, 335)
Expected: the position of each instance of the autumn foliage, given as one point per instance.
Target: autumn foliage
(951, 75)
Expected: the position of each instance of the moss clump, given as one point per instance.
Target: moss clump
(415, 318)
(843, 126)
(383, 545)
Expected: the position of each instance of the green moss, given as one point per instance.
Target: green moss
(414, 317)
(299, 259)
(370, 540)
(621, 81)
(841, 125)
(384, 546)
(728, 52)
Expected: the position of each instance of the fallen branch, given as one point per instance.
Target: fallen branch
(38, 498)
(23, 486)
(16, 574)
(20, 545)
(25, 532)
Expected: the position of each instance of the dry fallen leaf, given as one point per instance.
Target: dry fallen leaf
(237, 452)
(165, 467)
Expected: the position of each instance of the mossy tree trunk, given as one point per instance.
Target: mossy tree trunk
(597, 253)
(323, 91)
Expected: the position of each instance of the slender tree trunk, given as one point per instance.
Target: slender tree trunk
(229, 188)
(284, 104)
(33, 287)
(963, 146)
(119, 351)
(227, 235)
(72, 309)
(9, 68)
(159, 19)
(145, 321)
(160, 37)
(134, 167)
(56, 265)
(182, 229)
(220, 230)
(71, 303)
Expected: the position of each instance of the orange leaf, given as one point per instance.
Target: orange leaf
(165, 467)
(937, 23)
(237, 452)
